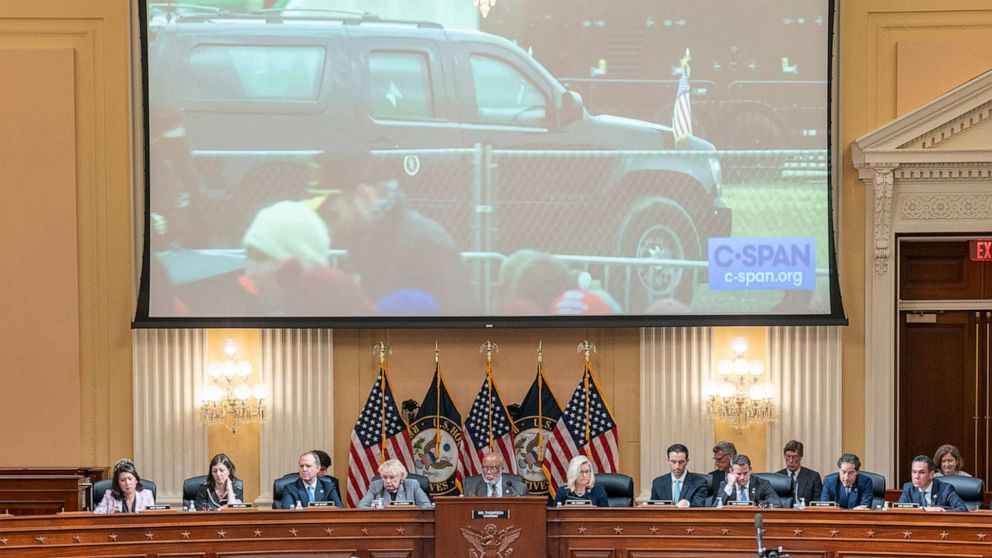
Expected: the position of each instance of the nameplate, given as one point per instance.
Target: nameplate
(241, 506)
(157, 507)
(905, 505)
(822, 504)
(739, 503)
(578, 503)
(657, 503)
(490, 514)
(401, 503)
(320, 504)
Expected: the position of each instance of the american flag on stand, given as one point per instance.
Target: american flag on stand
(487, 428)
(379, 420)
(682, 113)
(585, 427)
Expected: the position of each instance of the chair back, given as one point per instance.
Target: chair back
(709, 482)
(970, 489)
(279, 487)
(101, 487)
(190, 486)
(619, 489)
(878, 488)
(781, 485)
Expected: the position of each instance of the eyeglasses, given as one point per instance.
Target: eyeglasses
(585, 472)
(491, 469)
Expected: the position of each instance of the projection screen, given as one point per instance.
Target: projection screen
(507, 162)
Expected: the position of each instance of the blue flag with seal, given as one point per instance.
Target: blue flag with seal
(538, 415)
(437, 437)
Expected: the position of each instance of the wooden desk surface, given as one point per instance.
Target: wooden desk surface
(571, 533)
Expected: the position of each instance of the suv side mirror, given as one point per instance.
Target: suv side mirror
(571, 108)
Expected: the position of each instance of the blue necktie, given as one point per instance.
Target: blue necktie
(741, 495)
(676, 490)
(310, 492)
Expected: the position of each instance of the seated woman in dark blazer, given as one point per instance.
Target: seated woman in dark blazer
(126, 494)
(219, 491)
(581, 484)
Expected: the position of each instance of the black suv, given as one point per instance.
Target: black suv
(481, 136)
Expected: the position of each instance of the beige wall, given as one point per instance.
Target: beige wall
(65, 335)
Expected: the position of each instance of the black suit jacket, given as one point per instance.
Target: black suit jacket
(943, 495)
(861, 493)
(808, 484)
(323, 492)
(717, 477)
(694, 488)
(759, 490)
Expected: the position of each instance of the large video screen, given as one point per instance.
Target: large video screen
(481, 162)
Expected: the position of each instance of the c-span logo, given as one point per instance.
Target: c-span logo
(762, 264)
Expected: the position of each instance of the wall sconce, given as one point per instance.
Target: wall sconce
(740, 399)
(229, 399)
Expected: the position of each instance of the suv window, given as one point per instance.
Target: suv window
(256, 72)
(504, 95)
(400, 85)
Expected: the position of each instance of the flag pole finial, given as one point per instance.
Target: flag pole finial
(489, 348)
(587, 348)
(381, 349)
(437, 353)
(540, 351)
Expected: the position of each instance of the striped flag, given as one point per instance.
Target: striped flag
(379, 434)
(586, 427)
(487, 428)
(682, 113)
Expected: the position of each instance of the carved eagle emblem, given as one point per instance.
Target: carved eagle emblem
(490, 543)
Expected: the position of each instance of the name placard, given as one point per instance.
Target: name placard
(400, 503)
(490, 514)
(905, 505)
(822, 504)
(578, 503)
(657, 503)
(739, 503)
(320, 505)
(158, 507)
(241, 506)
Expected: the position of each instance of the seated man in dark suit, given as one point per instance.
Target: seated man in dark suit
(928, 492)
(310, 487)
(723, 453)
(681, 487)
(850, 490)
(806, 483)
(493, 481)
(741, 486)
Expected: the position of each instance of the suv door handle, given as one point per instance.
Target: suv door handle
(382, 142)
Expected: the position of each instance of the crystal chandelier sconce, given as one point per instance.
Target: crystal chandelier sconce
(229, 398)
(739, 398)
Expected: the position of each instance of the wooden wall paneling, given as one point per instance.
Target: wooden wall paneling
(938, 270)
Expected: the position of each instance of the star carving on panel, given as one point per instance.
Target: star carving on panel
(797, 532)
(293, 531)
(654, 530)
(39, 540)
(401, 530)
(222, 534)
(618, 530)
(870, 534)
(365, 530)
(833, 532)
(149, 535)
(257, 532)
(944, 535)
(3, 541)
(113, 537)
(582, 530)
(725, 531)
(185, 534)
(329, 531)
(907, 534)
(76, 539)
(981, 536)
(689, 530)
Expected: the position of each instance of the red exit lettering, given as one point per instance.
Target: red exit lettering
(981, 250)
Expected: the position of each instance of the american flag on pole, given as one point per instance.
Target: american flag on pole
(586, 427)
(682, 113)
(379, 434)
(487, 428)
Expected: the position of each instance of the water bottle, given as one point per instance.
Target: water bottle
(719, 502)
(885, 505)
(299, 505)
(802, 504)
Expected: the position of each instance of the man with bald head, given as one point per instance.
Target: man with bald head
(493, 482)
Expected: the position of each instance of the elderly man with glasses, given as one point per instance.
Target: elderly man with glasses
(493, 482)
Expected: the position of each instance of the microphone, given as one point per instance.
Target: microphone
(758, 526)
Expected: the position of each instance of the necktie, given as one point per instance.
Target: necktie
(490, 490)
(676, 490)
(847, 493)
(741, 494)
(310, 492)
(923, 498)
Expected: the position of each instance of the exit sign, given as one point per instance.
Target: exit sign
(981, 250)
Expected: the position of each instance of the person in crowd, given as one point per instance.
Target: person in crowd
(126, 493)
(806, 484)
(682, 488)
(288, 271)
(529, 281)
(741, 486)
(394, 486)
(221, 489)
(925, 490)
(391, 246)
(581, 484)
(310, 487)
(948, 458)
(493, 482)
(325, 461)
(723, 453)
(850, 490)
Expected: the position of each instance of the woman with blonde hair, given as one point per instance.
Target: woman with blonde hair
(581, 484)
(949, 460)
(393, 486)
